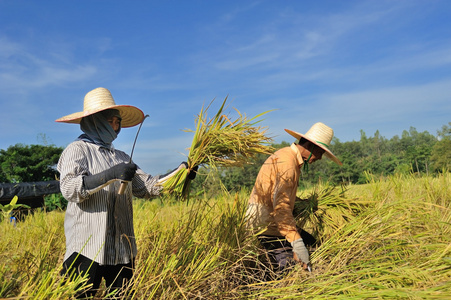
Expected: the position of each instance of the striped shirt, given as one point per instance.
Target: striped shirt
(99, 223)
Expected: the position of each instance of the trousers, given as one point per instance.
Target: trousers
(116, 276)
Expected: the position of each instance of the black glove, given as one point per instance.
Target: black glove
(120, 171)
(192, 173)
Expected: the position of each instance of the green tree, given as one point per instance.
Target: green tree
(441, 152)
(418, 149)
(412, 152)
(29, 163)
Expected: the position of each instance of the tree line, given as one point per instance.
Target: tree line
(412, 152)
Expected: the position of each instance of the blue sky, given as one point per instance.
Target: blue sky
(354, 65)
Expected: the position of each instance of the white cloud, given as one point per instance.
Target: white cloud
(390, 110)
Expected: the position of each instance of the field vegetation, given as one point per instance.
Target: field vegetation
(389, 238)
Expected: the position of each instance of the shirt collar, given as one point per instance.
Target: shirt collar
(296, 151)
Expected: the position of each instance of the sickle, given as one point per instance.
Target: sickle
(124, 183)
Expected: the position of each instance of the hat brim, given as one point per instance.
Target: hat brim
(328, 153)
(131, 115)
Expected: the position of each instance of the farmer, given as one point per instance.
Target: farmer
(98, 225)
(271, 203)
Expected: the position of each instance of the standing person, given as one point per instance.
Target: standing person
(98, 225)
(271, 203)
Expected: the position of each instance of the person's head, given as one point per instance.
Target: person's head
(101, 119)
(102, 127)
(311, 152)
(113, 117)
(316, 142)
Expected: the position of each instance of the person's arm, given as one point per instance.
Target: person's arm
(165, 177)
(72, 166)
(147, 186)
(284, 198)
(184, 165)
(286, 223)
(121, 171)
(76, 180)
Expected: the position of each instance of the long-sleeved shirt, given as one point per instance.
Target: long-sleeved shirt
(272, 199)
(99, 223)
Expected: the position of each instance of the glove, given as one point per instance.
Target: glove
(165, 177)
(301, 251)
(120, 171)
(192, 173)
(123, 171)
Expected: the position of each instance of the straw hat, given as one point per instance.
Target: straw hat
(320, 135)
(101, 99)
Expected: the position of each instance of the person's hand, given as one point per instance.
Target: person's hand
(121, 171)
(300, 252)
(124, 171)
(192, 173)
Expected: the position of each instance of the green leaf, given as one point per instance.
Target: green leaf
(14, 200)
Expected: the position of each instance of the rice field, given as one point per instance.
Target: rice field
(388, 239)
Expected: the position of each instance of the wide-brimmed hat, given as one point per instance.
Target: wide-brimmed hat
(101, 99)
(321, 135)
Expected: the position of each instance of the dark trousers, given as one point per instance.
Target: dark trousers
(116, 276)
(279, 250)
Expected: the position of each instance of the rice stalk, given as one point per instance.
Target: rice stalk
(398, 247)
(326, 210)
(394, 248)
(220, 142)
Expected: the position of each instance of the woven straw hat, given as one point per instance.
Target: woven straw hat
(320, 135)
(101, 99)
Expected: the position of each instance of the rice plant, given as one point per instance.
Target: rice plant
(326, 209)
(388, 239)
(220, 141)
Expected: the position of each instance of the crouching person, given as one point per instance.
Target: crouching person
(271, 203)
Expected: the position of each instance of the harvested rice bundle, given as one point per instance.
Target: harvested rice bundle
(220, 142)
(325, 211)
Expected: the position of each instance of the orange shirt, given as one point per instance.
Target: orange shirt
(272, 199)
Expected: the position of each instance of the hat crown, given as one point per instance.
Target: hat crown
(98, 99)
(320, 133)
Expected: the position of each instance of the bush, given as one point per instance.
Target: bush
(55, 201)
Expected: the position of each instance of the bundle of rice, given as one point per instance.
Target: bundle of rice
(220, 142)
(325, 211)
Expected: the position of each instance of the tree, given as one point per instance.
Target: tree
(441, 155)
(419, 149)
(445, 133)
(412, 152)
(29, 163)
(441, 152)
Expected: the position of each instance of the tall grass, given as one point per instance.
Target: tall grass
(388, 239)
(399, 247)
